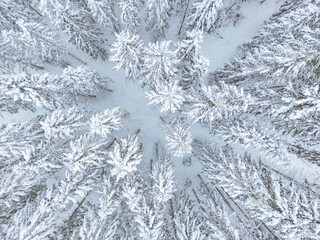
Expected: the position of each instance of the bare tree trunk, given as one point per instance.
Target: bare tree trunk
(184, 17)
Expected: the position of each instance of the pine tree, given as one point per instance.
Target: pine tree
(280, 208)
(79, 27)
(157, 17)
(106, 122)
(163, 183)
(34, 90)
(280, 69)
(188, 220)
(251, 133)
(34, 221)
(129, 15)
(125, 157)
(104, 12)
(194, 66)
(160, 63)
(178, 137)
(128, 53)
(217, 103)
(36, 39)
(63, 124)
(76, 22)
(204, 14)
(149, 222)
(169, 96)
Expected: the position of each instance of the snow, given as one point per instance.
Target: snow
(219, 49)
(130, 97)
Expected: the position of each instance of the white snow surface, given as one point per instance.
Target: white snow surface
(220, 49)
(129, 95)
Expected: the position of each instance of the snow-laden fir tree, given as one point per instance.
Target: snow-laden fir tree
(281, 69)
(34, 221)
(204, 14)
(29, 45)
(29, 91)
(63, 124)
(218, 102)
(169, 96)
(158, 13)
(104, 12)
(106, 122)
(162, 180)
(130, 15)
(128, 54)
(251, 134)
(178, 137)
(194, 66)
(283, 207)
(187, 219)
(125, 157)
(78, 24)
(160, 63)
(149, 222)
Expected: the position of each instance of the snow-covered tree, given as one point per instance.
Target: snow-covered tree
(77, 23)
(51, 8)
(81, 31)
(157, 16)
(63, 124)
(28, 45)
(104, 12)
(34, 221)
(281, 69)
(160, 63)
(252, 134)
(187, 220)
(280, 206)
(34, 90)
(149, 222)
(217, 103)
(95, 227)
(204, 14)
(129, 15)
(108, 121)
(194, 66)
(15, 138)
(169, 96)
(125, 157)
(178, 137)
(128, 54)
(84, 152)
(163, 183)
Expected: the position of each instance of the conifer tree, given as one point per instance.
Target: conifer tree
(128, 54)
(77, 23)
(169, 96)
(34, 90)
(204, 14)
(125, 157)
(279, 207)
(129, 15)
(178, 137)
(104, 12)
(194, 66)
(217, 103)
(160, 63)
(158, 13)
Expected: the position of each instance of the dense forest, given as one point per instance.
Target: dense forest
(116, 124)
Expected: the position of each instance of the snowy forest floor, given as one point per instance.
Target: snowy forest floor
(129, 96)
